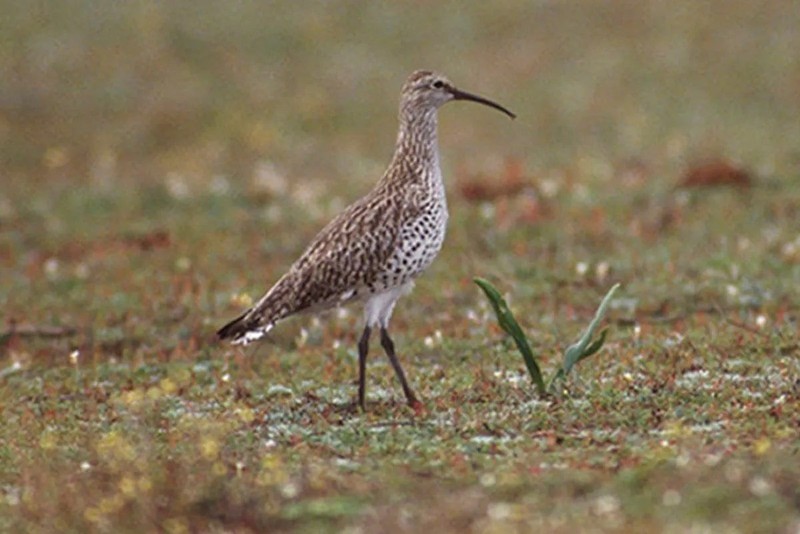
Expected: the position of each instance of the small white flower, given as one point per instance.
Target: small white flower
(51, 267)
(601, 270)
(606, 504)
(549, 187)
(760, 487)
(671, 498)
(499, 511)
(183, 264)
(12, 497)
(487, 480)
(290, 490)
(176, 186)
(302, 338)
(267, 178)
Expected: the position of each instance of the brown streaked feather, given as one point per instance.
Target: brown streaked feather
(345, 256)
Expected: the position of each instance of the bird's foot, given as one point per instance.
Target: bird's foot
(417, 406)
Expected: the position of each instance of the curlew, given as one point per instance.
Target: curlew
(375, 248)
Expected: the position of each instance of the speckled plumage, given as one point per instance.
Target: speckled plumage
(378, 245)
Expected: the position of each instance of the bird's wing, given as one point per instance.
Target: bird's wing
(347, 255)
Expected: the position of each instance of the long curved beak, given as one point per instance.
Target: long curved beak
(458, 94)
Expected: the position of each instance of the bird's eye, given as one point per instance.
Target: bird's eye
(438, 84)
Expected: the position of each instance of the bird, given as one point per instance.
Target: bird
(373, 250)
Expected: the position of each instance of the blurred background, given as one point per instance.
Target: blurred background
(173, 158)
(112, 93)
(162, 163)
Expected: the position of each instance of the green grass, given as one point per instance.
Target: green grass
(163, 163)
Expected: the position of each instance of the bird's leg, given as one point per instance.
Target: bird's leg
(388, 346)
(363, 348)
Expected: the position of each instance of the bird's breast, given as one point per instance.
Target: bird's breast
(419, 241)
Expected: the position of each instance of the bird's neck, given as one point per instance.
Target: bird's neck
(417, 145)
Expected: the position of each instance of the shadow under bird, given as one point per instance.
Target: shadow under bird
(375, 248)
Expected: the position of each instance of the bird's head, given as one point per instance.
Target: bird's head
(426, 90)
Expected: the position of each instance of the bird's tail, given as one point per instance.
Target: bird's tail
(248, 327)
(254, 324)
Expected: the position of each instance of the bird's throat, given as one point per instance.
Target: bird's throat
(417, 140)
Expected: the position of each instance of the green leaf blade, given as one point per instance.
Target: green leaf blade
(509, 324)
(585, 347)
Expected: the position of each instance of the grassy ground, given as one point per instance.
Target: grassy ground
(163, 163)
